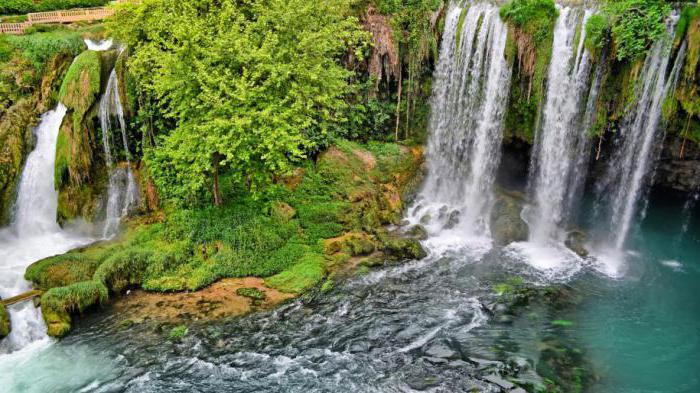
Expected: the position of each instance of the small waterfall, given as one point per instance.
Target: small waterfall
(561, 147)
(98, 45)
(122, 193)
(624, 185)
(37, 199)
(34, 233)
(471, 85)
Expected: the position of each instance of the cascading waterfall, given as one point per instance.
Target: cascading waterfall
(34, 233)
(623, 186)
(561, 146)
(122, 192)
(471, 85)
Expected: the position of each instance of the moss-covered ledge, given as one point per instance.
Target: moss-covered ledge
(322, 219)
(5, 325)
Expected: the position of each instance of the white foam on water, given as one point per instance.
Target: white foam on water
(673, 264)
(553, 262)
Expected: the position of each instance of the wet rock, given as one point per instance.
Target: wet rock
(359, 347)
(452, 220)
(418, 231)
(426, 218)
(506, 224)
(5, 325)
(518, 390)
(497, 380)
(422, 383)
(434, 360)
(441, 351)
(354, 243)
(575, 241)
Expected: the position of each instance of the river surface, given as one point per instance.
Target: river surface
(430, 325)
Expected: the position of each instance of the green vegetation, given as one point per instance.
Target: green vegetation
(530, 34)
(58, 303)
(631, 25)
(597, 32)
(27, 6)
(252, 293)
(178, 333)
(239, 94)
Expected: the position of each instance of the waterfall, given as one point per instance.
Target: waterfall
(122, 192)
(623, 186)
(471, 86)
(102, 45)
(561, 146)
(34, 233)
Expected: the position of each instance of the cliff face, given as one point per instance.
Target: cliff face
(678, 173)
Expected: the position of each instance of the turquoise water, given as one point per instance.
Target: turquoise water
(641, 332)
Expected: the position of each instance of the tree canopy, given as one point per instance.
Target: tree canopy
(248, 85)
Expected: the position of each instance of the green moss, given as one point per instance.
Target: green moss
(5, 325)
(535, 17)
(61, 270)
(252, 293)
(15, 135)
(305, 274)
(178, 333)
(58, 303)
(460, 24)
(81, 86)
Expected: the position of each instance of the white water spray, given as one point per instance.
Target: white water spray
(471, 85)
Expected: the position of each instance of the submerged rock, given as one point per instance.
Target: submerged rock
(506, 224)
(5, 325)
(405, 249)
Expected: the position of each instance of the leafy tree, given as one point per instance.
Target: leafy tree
(250, 85)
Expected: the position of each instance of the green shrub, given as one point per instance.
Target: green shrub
(38, 48)
(597, 31)
(536, 17)
(635, 25)
(75, 297)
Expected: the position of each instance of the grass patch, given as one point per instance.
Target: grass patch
(300, 277)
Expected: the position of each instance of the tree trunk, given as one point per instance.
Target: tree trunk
(216, 159)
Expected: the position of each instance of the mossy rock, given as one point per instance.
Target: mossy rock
(5, 325)
(57, 304)
(61, 270)
(506, 224)
(354, 243)
(15, 141)
(81, 86)
(402, 249)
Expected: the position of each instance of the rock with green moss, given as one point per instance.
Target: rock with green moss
(5, 325)
(402, 249)
(15, 138)
(282, 211)
(57, 304)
